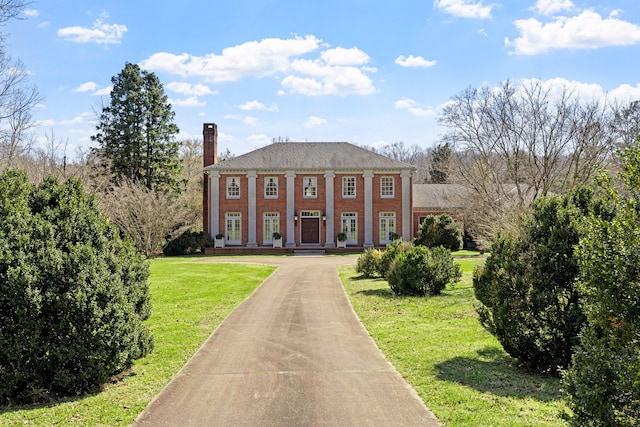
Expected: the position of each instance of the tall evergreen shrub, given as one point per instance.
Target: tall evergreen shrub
(527, 287)
(603, 382)
(73, 293)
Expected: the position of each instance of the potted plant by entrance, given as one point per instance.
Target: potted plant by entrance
(342, 239)
(277, 239)
(219, 241)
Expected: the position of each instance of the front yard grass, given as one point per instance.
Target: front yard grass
(190, 299)
(459, 370)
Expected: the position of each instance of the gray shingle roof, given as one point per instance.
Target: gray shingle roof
(310, 156)
(439, 196)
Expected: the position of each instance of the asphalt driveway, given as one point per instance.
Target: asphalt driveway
(293, 354)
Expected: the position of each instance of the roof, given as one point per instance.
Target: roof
(310, 156)
(439, 196)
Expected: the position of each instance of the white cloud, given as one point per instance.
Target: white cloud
(318, 78)
(586, 91)
(100, 33)
(79, 119)
(255, 58)
(556, 86)
(337, 71)
(314, 121)
(256, 105)
(414, 61)
(342, 56)
(250, 121)
(551, 7)
(31, 13)
(189, 89)
(191, 101)
(588, 30)
(46, 123)
(414, 108)
(86, 87)
(625, 93)
(465, 8)
(259, 140)
(104, 91)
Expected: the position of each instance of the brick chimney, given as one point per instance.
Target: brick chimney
(210, 157)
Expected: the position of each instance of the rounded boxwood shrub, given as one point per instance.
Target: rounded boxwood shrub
(389, 255)
(189, 242)
(368, 262)
(439, 230)
(421, 271)
(73, 293)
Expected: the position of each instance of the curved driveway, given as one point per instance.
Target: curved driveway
(293, 354)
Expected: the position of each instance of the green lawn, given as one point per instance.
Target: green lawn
(190, 298)
(459, 370)
(437, 344)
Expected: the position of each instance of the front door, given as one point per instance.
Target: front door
(310, 223)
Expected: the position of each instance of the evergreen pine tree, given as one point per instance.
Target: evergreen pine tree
(136, 133)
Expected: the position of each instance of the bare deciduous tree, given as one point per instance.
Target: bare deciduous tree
(514, 144)
(17, 98)
(152, 218)
(414, 155)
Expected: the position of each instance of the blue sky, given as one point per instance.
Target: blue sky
(366, 72)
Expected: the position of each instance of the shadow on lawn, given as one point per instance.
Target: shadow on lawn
(382, 293)
(495, 372)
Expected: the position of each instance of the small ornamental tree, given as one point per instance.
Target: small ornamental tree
(439, 231)
(603, 383)
(73, 294)
(422, 271)
(527, 287)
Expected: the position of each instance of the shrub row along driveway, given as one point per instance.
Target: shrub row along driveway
(292, 354)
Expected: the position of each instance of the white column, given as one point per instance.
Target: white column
(330, 208)
(291, 207)
(251, 220)
(368, 208)
(406, 205)
(214, 202)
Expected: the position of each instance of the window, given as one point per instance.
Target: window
(233, 188)
(233, 226)
(350, 227)
(387, 226)
(386, 186)
(271, 221)
(271, 187)
(310, 187)
(348, 186)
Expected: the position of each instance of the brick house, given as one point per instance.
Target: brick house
(308, 192)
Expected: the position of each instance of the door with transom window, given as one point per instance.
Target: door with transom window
(350, 227)
(233, 227)
(271, 221)
(310, 227)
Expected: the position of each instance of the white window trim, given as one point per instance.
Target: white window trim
(230, 180)
(235, 216)
(272, 217)
(393, 187)
(266, 186)
(348, 216)
(314, 181)
(386, 216)
(345, 187)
